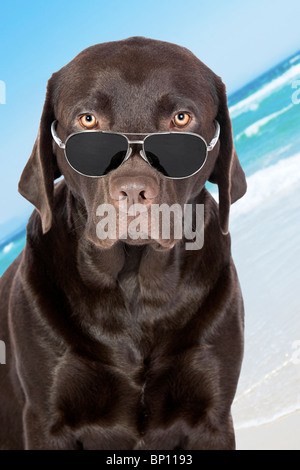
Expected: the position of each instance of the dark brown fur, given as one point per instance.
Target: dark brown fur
(123, 346)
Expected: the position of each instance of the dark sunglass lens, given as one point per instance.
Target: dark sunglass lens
(96, 153)
(176, 155)
(154, 161)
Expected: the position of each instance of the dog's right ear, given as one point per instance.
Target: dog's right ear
(36, 183)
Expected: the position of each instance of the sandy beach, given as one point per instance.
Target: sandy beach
(266, 409)
(281, 434)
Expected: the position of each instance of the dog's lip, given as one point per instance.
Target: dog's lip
(163, 244)
(139, 241)
(157, 244)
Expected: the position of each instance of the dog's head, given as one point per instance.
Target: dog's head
(136, 85)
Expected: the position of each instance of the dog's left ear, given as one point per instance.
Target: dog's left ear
(36, 183)
(227, 173)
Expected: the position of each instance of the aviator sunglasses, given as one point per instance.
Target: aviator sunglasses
(176, 155)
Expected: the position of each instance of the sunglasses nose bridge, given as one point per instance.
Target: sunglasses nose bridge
(143, 155)
(141, 152)
(129, 152)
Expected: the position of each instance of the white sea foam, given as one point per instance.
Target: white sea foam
(267, 183)
(7, 248)
(254, 128)
(262, 380)
(262, 420)
(252, 101)
(294, 59)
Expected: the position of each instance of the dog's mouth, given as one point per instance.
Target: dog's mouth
(138, 225)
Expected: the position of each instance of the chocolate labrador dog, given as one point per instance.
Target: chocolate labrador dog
(124, 343)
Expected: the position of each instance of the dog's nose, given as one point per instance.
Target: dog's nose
(134, 190)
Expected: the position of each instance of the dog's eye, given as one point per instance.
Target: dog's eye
(181, 119)
(88, 121)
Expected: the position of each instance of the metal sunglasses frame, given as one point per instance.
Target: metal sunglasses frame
(209, 147)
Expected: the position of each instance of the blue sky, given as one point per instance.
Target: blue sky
(238, 40)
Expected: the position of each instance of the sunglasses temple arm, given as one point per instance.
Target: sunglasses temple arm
(215, 137)
(55, 136)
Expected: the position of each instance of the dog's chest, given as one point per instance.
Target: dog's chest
(138, 365)
(131, 393)
(130, 291)
(144, 356)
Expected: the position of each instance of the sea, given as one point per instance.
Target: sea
(265, 227)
